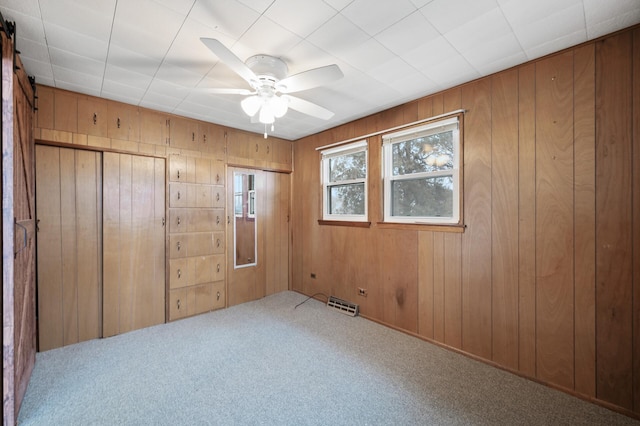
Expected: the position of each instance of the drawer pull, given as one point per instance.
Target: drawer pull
(204, 138)
(178, 303)
(217, 196)
(217, 177)
(178, 174)
(267, 149)
(178, 195)
(95, 118)
(193, 136)
(118, 122)
(178, 245)
(218, 296)
(218, 268)
(179, 273)
(218, 242)
(178, 220)
(256, 147)
(217, 220)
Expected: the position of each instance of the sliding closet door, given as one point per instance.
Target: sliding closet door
(134, 242)
(68, 199)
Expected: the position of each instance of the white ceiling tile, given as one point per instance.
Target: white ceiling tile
(522, 12)
(446, 15)
(408, 34)
(133, 94)
(305, 56)
(183, 7)
(71, 79)
(555, 45)
(127, 77)
(26, 26)
(27, 7)
(165, 88)
(82, 64)
(258, 5)
(556, 25)
(401, 76)
(374, 17)
(37, 51)
(453, 71)
(160, 101)
(604, 17)
(226, 16)
(266, 37)
(91, 18)
(77, 43)
(123, 97)
(430, 53)
(301, 18)
(500, 63)
(338, 36)
(178, 75)
(338, 4)
(478, 32)
(187, 50)
(133, 61)
(41, 70)
(369, 54)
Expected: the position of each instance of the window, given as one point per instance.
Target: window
(422, 174)
(344, 182)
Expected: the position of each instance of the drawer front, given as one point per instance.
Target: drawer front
(203, 220)
(218, 197)
(177, 304)
(178, 195)
(179, 273)
(202, 269)
(203, 171)
(218, 294)
(200, 299)
(177, 168)
(201, 244)
(179, 220)
(178, 245)
(218, 242)
(217, 267)
(217, 172)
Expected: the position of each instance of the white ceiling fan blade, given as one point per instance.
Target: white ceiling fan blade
(229, 91)
(308, 108)
(230, 59)
(310, 79)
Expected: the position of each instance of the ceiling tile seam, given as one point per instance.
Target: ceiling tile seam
(186, 16)
(46, 40)
(106, 61)
(512, 30)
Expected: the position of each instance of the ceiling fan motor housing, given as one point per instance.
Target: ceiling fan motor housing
(267, 67)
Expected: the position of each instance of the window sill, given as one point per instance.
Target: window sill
(345, 223)
(422, 227)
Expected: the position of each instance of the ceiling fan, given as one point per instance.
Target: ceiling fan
(269, 97)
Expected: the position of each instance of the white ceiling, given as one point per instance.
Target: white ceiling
(148, 52)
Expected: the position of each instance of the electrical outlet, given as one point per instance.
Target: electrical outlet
(313, 275)
(362, 292)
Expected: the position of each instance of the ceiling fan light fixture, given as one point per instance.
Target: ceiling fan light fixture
(250, 105)
(280, 105)
(266, 114)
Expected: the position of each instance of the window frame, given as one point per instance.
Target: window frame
(453, 123)
(325, 157)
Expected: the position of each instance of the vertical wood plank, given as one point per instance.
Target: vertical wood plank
(636, 220)
(126, 249)
(68, 246)
(453, 290)
(438, 287)
(425, 284)
(159, 238)
(527, 220)
(476, 240)
(504, 218)
(613, 220)
(554, 219)
(111, 276)
(88, 215)
(584, 216)
(50, 317)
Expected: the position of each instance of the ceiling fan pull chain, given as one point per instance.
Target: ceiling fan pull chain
(265, 130)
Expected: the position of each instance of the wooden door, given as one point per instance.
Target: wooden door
(134, 242)
(68, 187)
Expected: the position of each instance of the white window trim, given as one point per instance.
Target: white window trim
(326, 155)
(408, 134)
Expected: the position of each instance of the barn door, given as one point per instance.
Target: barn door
(68, 186)
(134, 242)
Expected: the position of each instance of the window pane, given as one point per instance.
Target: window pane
(424, 154)
(346, 199)
(348, 167)
(429, 197)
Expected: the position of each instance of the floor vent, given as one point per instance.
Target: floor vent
(343, 306)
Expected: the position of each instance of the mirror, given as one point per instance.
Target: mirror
(244, 224)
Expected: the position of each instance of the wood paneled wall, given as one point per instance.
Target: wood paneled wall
(545, 279)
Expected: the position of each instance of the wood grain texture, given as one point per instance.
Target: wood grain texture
(636, 220)
(527, 220)
(613, 219)
(584, 216)
(554, 220)
(504, 218)
(453, 290)
(476, 240)
(425, 284)
(438, 287)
